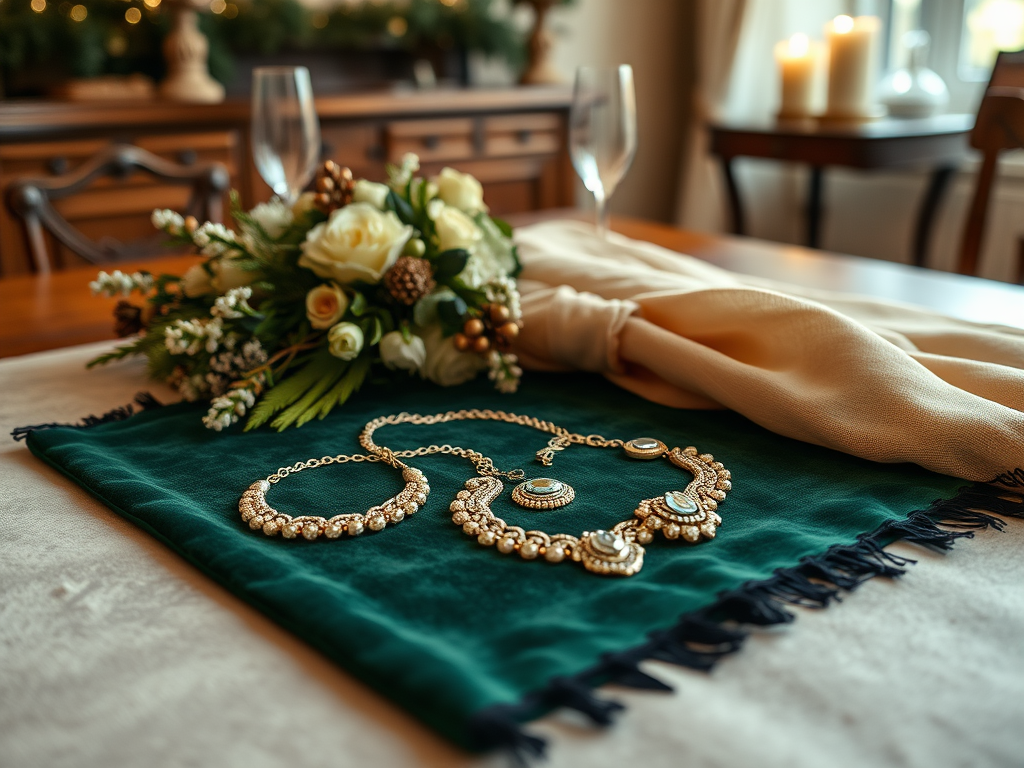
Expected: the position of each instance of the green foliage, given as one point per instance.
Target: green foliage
(104, 42)
(449, 263)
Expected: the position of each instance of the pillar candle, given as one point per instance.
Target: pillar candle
(796, 60)
(853, 66)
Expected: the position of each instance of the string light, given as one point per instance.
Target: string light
(230, 11)
(78, 13)
(38, 5)
(319, 20)
(397, 26)
(218, 6)
(152, 3)
(133, 15)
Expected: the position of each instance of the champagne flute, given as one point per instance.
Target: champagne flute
(602, 131)
(285, 129)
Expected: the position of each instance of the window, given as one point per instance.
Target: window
(989, 26)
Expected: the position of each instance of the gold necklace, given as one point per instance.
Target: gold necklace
(690, 514)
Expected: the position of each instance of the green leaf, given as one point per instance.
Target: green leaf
(290, 389)
(299, 410)
(118, 354)
(450, 263)
(401, 207)
(452, 314)
(359, 305)
(503, 226)
(376, 332)
(341, 391)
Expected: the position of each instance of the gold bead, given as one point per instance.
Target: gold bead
(461, 342)
(499, 314)
(473, 327)
(481, 344)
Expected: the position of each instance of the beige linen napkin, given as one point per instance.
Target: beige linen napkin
(883, 381)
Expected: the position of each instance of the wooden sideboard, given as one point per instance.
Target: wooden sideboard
(513, 140)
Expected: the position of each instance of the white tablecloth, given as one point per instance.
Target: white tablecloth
(114, 652)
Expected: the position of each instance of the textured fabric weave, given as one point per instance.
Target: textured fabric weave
(882, 381)
(421, 612)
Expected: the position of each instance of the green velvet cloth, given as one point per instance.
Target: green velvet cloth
(420, 611)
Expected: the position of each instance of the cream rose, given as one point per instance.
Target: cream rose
(196, 282)
(304, 204)
(371, 192)
(460, 190)
(444, 364)
(227, 274)
(397, 354)
(325, 305)
(345, 341)
(358, 242)
(455, 229)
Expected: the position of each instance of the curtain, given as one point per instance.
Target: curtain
(716, 34)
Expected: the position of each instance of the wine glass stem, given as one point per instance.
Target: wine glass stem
(601, 205)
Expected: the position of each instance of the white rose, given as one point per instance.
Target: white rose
(325, 305)
(196, 282)
(371, 192)
(227, 274)
(345, 341)
(460, 190)
(445, 365)
(399, 355)
(455, 229)
(275, 217)
(358, 242)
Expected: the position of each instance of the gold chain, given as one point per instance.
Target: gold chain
(562, 439)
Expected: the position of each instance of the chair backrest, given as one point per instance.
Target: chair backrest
(999, 127)
(31, 198)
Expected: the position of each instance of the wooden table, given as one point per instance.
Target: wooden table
(47, 312)
(938, 142)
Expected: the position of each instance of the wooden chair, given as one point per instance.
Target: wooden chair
(31, 200)
(999, 127)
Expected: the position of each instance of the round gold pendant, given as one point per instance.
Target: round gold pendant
(543, 493)
(645, 448)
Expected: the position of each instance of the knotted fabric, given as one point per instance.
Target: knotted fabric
(879, 380)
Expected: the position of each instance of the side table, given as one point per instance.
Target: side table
(939, 142)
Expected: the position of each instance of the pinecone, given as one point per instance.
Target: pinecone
(409, 279)
(127, 319)
(334, 186)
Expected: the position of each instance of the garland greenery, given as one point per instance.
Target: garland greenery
(99, 37)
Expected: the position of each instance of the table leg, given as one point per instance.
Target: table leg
(735, 202)
(814, 206)
(929, 205)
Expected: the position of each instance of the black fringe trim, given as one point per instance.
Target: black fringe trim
(144, 400)
(700, 639)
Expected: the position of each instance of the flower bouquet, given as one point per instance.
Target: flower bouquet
(291, 312)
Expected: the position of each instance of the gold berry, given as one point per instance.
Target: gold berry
(191, 224)
(473, 327)
(481, 344)
(461, 342)
(509, 330)
(499, 314)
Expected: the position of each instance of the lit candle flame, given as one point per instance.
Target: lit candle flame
(842, 24)
(799, 44)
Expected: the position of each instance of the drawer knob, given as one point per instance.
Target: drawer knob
(57, 166)
(523, 136)
(187, 157)
(431, 142)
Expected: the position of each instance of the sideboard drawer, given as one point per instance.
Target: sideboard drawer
(517, 135)
(435, 141)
